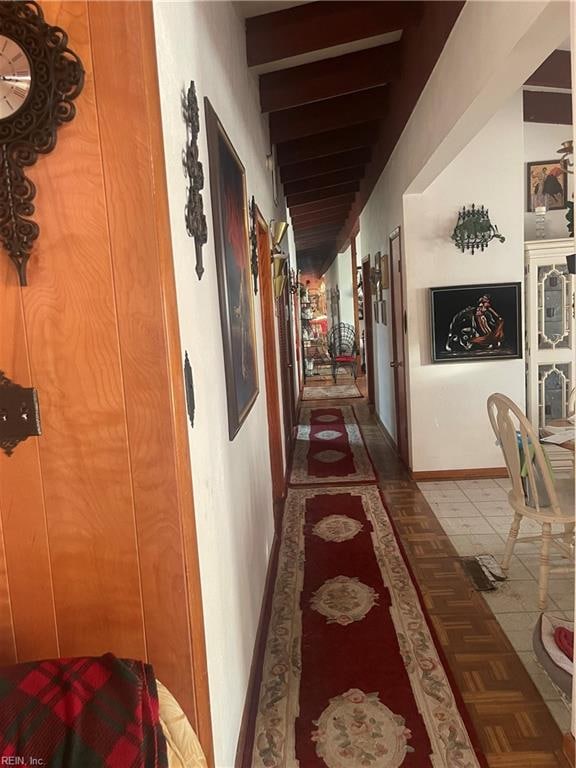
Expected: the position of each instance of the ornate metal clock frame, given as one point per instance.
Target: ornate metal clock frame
(194, 212)
(57, 77)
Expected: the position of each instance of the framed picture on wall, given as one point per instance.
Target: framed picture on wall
(376, 306)
(476, 322)
(384, 271)
(230, 218)
(547, 185)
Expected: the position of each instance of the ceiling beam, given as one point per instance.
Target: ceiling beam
(318, 230)
(555, 72)
(321, 217)
(289, 124)
(321, 165)
(315, 26)
(328, 78)
(327, 143)
(325, 180)
(325, 204)
(322, 194)
(547, 107)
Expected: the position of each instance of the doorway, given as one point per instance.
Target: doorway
(287, 367)
(368, 329)
(270, 362)
(398, 336)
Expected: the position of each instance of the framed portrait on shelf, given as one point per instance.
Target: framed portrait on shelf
(547, 185)
(476, 322)
(231, 243)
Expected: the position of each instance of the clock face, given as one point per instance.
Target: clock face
(15, 77)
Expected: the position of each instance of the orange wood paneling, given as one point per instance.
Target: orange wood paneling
(98, 545)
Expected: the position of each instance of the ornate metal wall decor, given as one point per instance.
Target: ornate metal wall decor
(474, 230)
(39, 79)
(253, 244)
(19, 414)
(189, 388)
(194, 211)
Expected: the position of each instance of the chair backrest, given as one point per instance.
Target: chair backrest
(527, 465)
(572, 402)
(342, 340)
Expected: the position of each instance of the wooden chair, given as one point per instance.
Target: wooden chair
(571, 407)
(534, 495)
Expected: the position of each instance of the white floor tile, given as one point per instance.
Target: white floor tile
(466, 485)
(486, 494)
(540, 677)
(494, 508)
(454, 509)
(478, 544)
(440, 485)
(502, 526)
(505, 482)
(519, 628)
(518, 571)
(562, 592)
(532, 562)
(516, 597)
(435, 495)
(455, 526)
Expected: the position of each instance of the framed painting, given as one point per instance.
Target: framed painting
(384, 271)
(547, 185)
(476, 322)
(376, 312)
(231, 243)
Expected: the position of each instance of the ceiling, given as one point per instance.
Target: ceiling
(338, 81)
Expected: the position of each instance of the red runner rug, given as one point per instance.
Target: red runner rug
(330, 449)
(351, 674)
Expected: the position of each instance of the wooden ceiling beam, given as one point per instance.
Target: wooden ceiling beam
(327, 115)
(328, 78)
(555, 72)
(316, 26)
(322, 217)
(318, 231)
(547, 107)
(327, 143)
(325, 180)
(325, 204)
(322, 194)
(321, 165)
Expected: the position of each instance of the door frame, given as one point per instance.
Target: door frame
(368, 328)
(399, 327)
(270, 358)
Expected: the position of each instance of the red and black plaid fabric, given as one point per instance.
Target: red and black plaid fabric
(81, 713)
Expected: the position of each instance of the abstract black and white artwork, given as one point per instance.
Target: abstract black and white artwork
(476, 322)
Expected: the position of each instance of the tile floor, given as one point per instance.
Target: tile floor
(476, 516)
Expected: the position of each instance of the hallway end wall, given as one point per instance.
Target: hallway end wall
(205, 42)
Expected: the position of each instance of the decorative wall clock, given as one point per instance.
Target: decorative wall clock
(39, 79)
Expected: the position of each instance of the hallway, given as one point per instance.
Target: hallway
(329, 655)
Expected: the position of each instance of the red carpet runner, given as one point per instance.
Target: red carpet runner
(330, 449)
(351, 674)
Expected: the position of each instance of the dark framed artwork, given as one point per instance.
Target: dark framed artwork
(547, 185)
(476, 322)
(231, 243)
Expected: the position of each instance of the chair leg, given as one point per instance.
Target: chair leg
(544, 565)
(511, 541)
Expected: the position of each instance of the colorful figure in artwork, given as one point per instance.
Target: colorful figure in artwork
(479, 327)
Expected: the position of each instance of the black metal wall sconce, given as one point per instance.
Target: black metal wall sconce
(474, 230)
(253, 244)
(194, 209)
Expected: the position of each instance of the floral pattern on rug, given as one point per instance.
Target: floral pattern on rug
(331, 392)
(343, 600)
(357, 730)
(328, 434)
(337, 528)
(327, 419)
(364, 472)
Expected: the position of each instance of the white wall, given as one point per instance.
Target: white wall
(450, 427)
(205, 42)
(493, 48)
(541, 140)
(339, 275)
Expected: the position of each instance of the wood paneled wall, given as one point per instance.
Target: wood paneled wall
(98, 546)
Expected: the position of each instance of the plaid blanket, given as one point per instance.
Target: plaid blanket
(80, 713)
